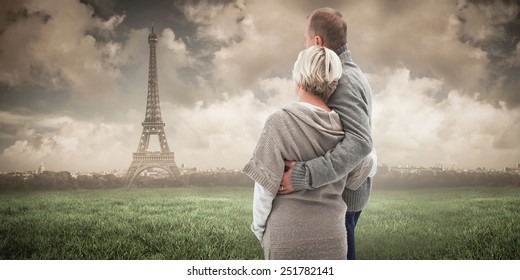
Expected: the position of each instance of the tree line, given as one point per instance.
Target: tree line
(63, 180)
(445, 179)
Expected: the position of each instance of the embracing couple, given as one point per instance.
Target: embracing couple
(314, 162)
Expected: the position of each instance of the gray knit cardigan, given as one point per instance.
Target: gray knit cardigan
(316, 131)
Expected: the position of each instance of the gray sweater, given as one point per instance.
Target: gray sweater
(352, 100)
(263, 198)
(306, 224)
(293, 133)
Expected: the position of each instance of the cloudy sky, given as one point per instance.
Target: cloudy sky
(73, 78)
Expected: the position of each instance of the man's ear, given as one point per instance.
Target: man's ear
(318, 40)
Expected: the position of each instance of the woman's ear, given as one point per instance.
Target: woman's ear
(318, 40)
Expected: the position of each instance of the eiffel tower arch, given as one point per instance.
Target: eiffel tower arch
(152, 125)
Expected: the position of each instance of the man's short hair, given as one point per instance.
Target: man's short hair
(317, 71)
(329, 24)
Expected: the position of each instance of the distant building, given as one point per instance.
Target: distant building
(383, 169)
(406, 169)
(40, 169)
(512, 169)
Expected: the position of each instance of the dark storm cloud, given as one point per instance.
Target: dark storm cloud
(102, 8)
(51, 46)
(10, 10)
(494, 26)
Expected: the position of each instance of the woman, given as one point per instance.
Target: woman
(307, 224)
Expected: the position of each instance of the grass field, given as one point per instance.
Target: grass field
(213, 223)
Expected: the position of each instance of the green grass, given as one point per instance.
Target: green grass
(213, 223)
(469, 223)
(180, 223)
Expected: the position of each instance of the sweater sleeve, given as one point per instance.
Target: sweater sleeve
(367, 168)
(351, 102)
(373, 156)
(267, 165)
(262, 205)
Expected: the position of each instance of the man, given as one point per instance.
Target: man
(352, 100)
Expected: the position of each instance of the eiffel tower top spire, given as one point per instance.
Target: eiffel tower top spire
(153, 106)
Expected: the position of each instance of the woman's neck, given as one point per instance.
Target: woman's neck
(313, 99)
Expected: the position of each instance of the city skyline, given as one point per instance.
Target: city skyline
(73, 79)
(183, 169)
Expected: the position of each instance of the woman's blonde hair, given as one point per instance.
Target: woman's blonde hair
(317, 70)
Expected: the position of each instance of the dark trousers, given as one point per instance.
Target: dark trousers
(351, 219)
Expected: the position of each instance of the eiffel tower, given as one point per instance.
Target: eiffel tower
(152, 125)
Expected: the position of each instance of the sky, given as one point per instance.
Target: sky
(74, 74)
